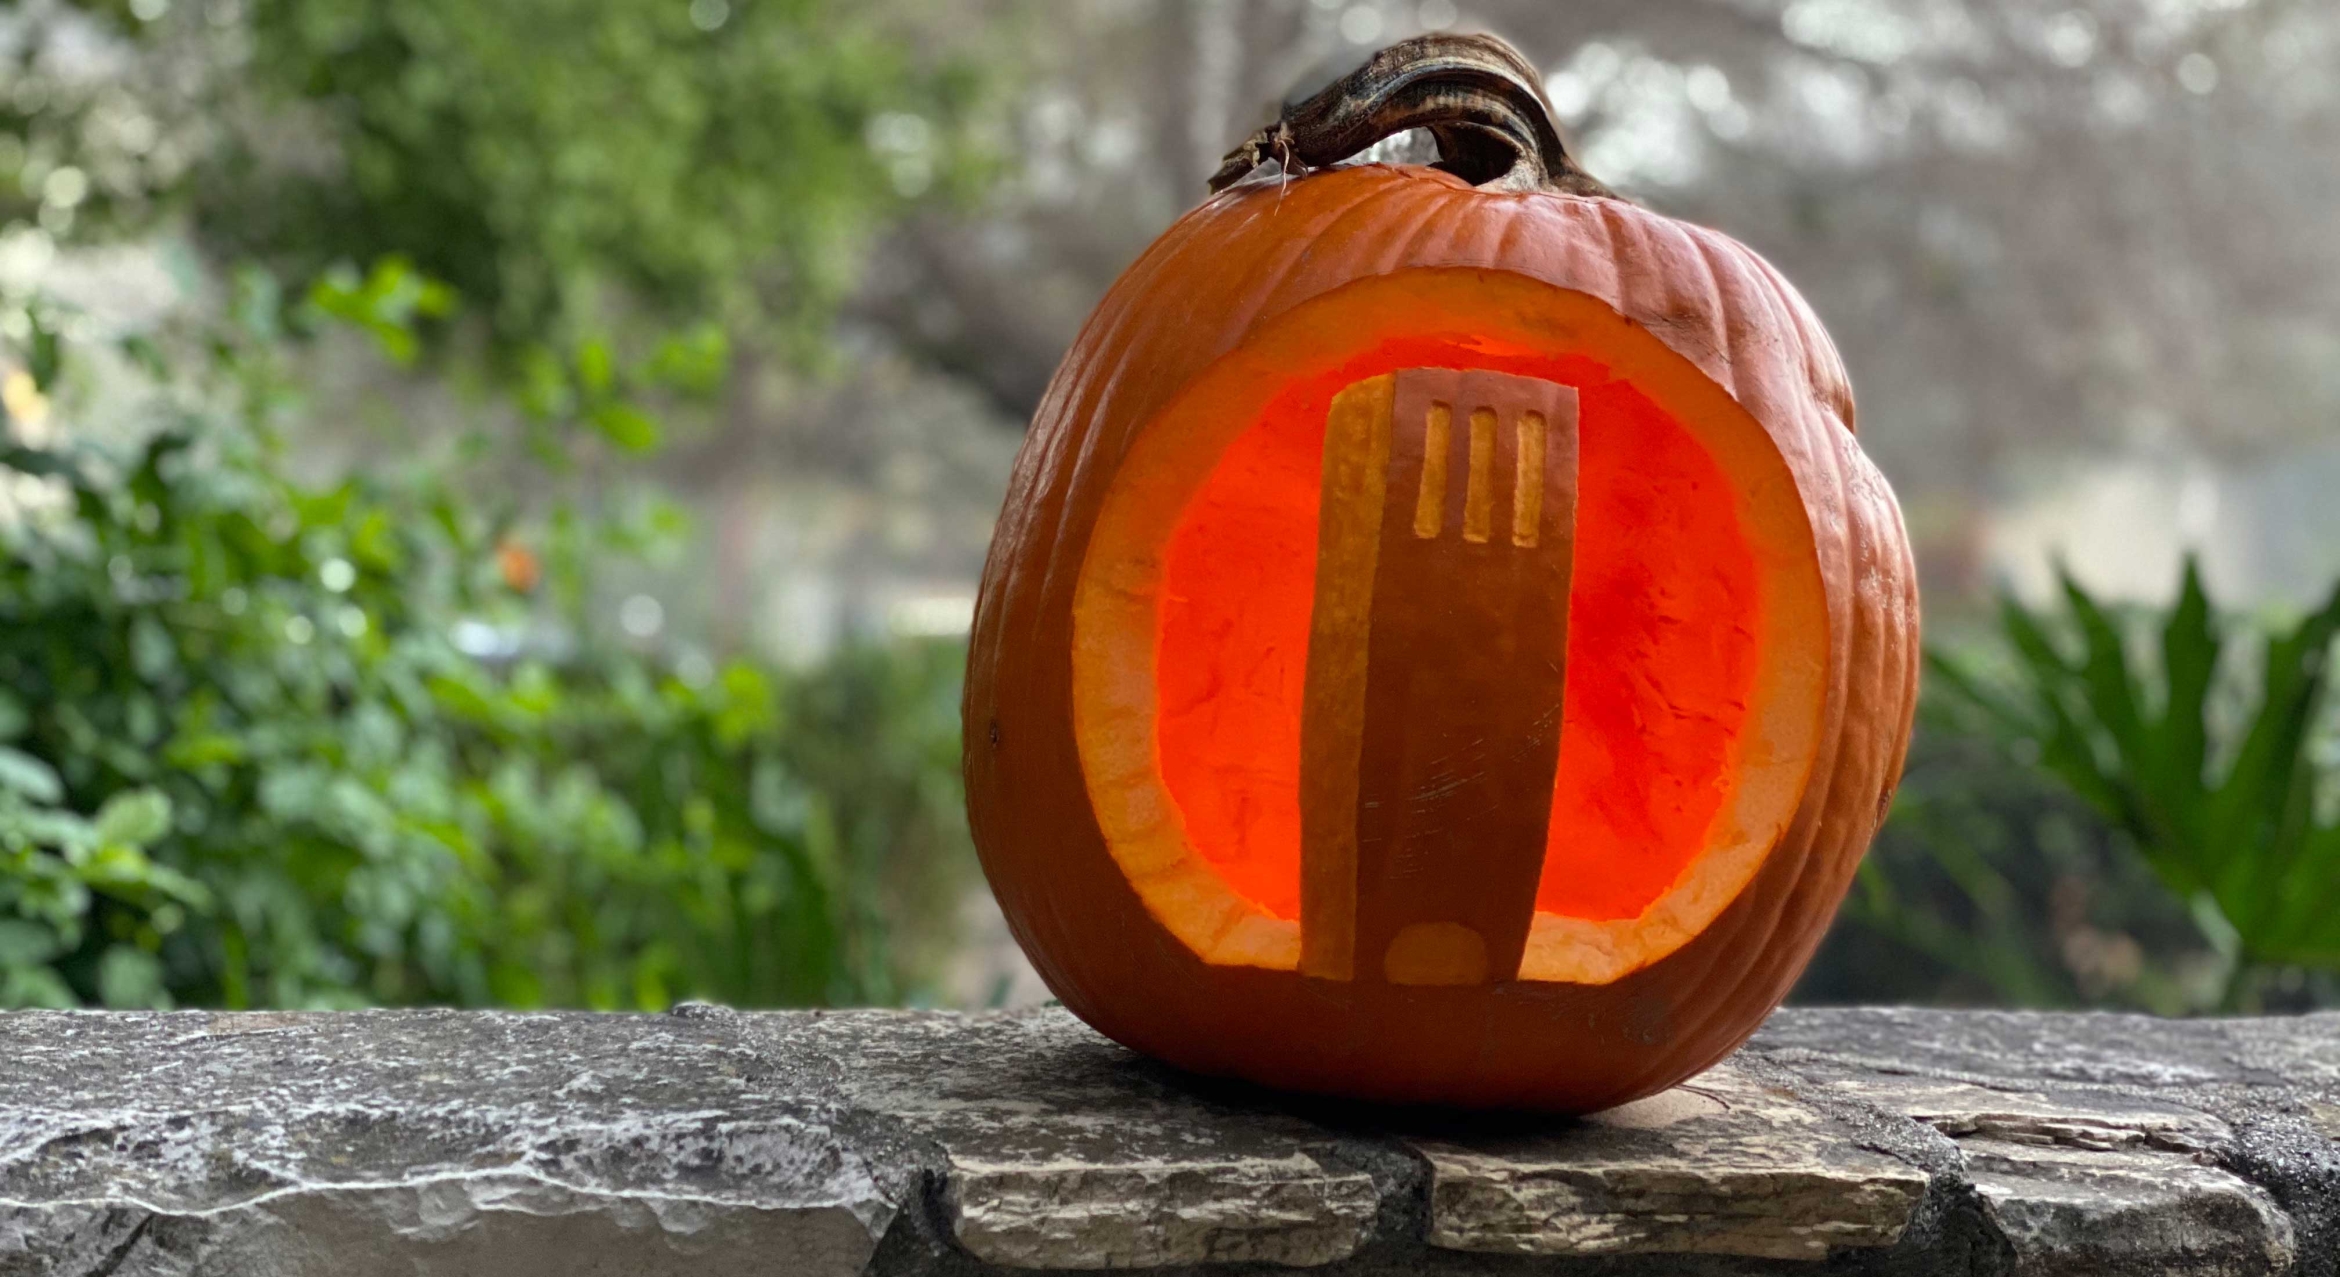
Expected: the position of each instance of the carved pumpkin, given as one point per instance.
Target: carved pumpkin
(1443, 642)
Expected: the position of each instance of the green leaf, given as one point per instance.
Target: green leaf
(626, 426)
(46, 356)
(2189, 661)
(36, 987)
(2264, 815)
(2067, 747)
(142, 351)
(747, 706)
(692, 361)
(29, 776)
(179, 887)
(595, 372)
(152, 652)
(196, 750)
(2106, 681)
(435, 299)
(544, 389)
(386, 302)
(257, 303)
(134, 818)
(25, 944)
(35, 461)
(130, 979)
(466, 700)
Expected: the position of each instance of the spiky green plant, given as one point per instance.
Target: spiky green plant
(2213, 764)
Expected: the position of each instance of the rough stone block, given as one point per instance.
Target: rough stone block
(1724, 1166)
(2071, 1212)
(714, 1142)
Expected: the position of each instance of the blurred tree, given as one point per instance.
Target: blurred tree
(615, 188)
(565, 164)
(2038, 229)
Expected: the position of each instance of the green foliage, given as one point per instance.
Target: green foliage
(2210, 766)
(272, 742)
(386, 303)
(55, 866)
(266, 742)
(564, 161)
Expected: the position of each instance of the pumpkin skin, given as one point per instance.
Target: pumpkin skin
(1719, 475)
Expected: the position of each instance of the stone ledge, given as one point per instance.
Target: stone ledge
(716, 1142)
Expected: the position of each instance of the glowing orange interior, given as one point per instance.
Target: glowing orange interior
(1663, 621)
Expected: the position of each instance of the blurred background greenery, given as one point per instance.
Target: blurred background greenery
(491, 492)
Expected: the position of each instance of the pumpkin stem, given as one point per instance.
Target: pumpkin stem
(1480, 98)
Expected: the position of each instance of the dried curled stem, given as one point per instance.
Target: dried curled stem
(1478, 97)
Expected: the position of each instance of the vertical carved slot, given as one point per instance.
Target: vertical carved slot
(1527, 503)
(1430, 499)
(1479, 489)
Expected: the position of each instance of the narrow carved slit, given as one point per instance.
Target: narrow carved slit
(1430, 502)
(1527, 504)
(1479, 495)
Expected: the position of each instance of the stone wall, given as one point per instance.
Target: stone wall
(713, 1142)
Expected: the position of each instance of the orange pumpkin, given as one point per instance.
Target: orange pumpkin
(1443, 642)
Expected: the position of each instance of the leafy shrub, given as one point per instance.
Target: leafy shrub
(272, 743)
(2238, 823)
(2113, 807)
